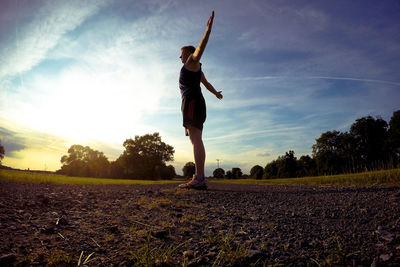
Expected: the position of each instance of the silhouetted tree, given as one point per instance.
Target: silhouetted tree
(257, 172)
(2, 152)
(165, 172)
(394, 138)
(271, 170)
(219, 173)
(189, 169)
(145, 155)
(334, 153)
(229, 175)
(306, 166)
(117, 169)
(287, 165)
(84, 161)
(236, 173)
(370, 137)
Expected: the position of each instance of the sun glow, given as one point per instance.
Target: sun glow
(82, 104)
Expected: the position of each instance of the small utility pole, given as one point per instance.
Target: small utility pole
(218, 160)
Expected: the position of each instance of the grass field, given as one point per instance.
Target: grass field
(30, 177)
(384, 177)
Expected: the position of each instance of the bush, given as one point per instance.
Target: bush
(219, 173)
(189, 169)
(257, 172)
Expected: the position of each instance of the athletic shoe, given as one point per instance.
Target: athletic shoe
(195, 183)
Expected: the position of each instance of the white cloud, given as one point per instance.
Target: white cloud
(250, 132)
(264, 154)
(35, 39)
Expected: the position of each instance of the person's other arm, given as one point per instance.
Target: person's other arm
(210, 87)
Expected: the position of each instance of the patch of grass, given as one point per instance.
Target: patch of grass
(168, 190)
(58, 257)
(158, 203)
(190, 218)
(166, 224)
(384, 177)
(337, 255)
(151, 255)
(182, 204)
(141, 233)
(110, 238)
(30, 177)
(229, 252)
(154, 203)
(84, 261)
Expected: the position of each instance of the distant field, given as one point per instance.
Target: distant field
(29, 177)
(385, 177)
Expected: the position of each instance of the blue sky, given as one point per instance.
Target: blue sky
(98, 72)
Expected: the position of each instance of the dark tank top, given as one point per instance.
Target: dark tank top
(189, 82)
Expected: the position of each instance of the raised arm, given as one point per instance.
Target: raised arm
(202, 45)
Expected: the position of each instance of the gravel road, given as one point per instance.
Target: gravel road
(227, 225)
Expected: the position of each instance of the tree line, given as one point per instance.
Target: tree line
(370, 144)
(144, 157)
(190, 168)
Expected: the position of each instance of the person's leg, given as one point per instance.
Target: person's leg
(199, 152)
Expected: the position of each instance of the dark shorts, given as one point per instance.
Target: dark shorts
(194, 111)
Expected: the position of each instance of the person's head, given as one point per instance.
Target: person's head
(186, 51)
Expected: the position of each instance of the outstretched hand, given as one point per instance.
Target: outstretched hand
(210, 21)
(219, 95)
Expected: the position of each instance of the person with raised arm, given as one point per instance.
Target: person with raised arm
(193, 104)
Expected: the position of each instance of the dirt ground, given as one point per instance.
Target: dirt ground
(227, 225)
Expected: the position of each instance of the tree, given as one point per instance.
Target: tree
(84, 161)
(117, 169)
(271, 170)
(189, 169)
(334, 153)
(370, 137)
(165, 172)
(257, 172)
(394, 138)
(229, 175)
(287, 165)
(219, 173)
(2, 152)
(145, 155)
(306, 166)
(236, 173)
